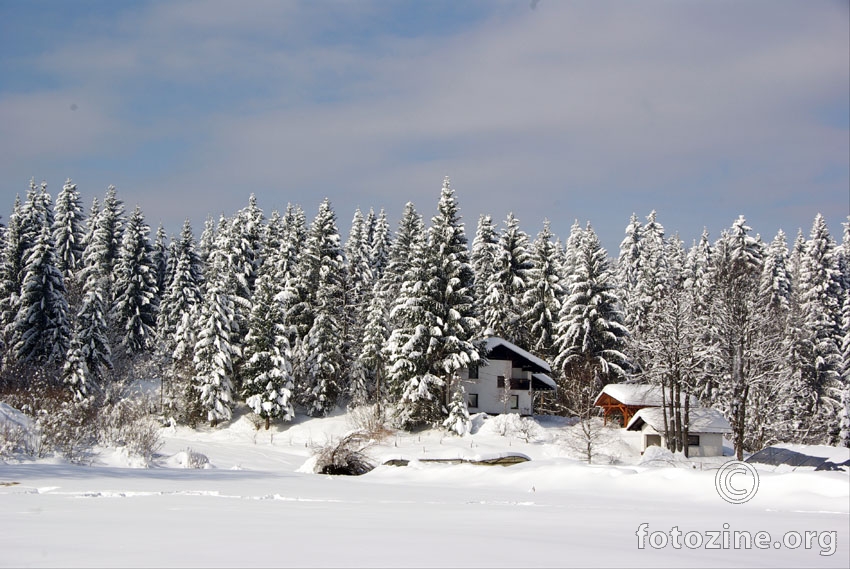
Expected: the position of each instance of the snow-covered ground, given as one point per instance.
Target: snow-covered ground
(256, 503)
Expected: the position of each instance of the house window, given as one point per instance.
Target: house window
(514, 401)
(500, 381)
(472, 400)
(473, 371)
(693, 440)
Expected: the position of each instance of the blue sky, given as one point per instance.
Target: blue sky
(588, 111)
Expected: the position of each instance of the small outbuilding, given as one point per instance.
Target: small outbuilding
(706, 427)
(506, 384)
(621, 401)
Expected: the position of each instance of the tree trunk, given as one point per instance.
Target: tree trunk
(680, 429)
(686, 432)
(664, 414)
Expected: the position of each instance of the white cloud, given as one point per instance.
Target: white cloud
(586, 110)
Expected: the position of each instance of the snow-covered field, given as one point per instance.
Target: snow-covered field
(258, 504)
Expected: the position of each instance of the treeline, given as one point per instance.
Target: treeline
(282, 316)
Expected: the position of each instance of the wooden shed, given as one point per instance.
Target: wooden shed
(623, 400)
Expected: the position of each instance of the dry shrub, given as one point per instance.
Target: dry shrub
(126, 423)
(345, 456)
(371, 421)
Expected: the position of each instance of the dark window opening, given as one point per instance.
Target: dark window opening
(472, 400)
(473, 371)
(500, 381)
(693, 440)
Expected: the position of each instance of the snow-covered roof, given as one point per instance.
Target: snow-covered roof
(543, 378)
(701, 420)
(492, 342)
(637, 394)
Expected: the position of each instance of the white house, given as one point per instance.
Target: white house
(506, 384)
(706, 427)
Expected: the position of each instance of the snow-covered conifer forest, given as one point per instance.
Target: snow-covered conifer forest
(265, 348)
(280, 315)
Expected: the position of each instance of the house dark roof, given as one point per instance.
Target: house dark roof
(501, 349)
(542, 382)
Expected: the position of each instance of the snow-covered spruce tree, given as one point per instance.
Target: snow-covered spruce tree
(176, 332)
(407, 245)
(458, 421)
(400, 287)
(820, 386)
(206, 243)
(110, 227)
(238, 253)
(36, 212)
(503, 301)
(90, 225)
(651, 284)
(775, 285)
(248, 229)
(215, 348)
(91, 330)
(380, 245)
(485, 247)
(359, 277)
(134, 310)
(42, 329)
(410, 383)
(542, 299)
(699, 282)
(590, 331)
(267, 386)
(25, 225)
(439, 318)
(323, 350)
(371, 359)
(68, 236)
(628, 270)
(296, 292)
(11, 273)
(450, 291)
(358, 289)
(162, 268)
(75, 373)
(569, 252)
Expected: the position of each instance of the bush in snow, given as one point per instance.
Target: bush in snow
(58, 423)
(17, 434)
(372, 421)
(589, 437)
(66, 426)
(192, 459)
(513, 425)
(345, 456)
(125, 422)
